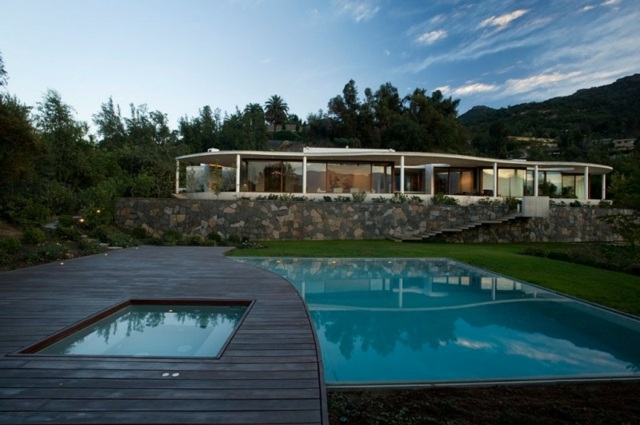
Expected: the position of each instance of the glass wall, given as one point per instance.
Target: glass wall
(382, 178)
(549, 183)
(455, 181)
(529, 183)
(511, 182)
(572, 186)
(316, 177)
(413, 180)
(271, 176)
(487, 182)
(348, 177)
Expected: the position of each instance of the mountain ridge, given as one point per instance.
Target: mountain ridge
(609, 111)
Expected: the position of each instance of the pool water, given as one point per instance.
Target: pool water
(155, 330)
(403, 321)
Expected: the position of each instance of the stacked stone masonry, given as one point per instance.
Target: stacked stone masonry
(281, 220)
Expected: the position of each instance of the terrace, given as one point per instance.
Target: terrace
(270, 371)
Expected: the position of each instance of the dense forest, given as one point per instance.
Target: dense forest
(575, 123)
(52, 164)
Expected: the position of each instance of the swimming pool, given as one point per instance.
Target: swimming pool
(416, 321)
(150, 329)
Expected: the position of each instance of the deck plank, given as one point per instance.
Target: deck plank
(269, 373)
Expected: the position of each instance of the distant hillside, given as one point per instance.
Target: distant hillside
(611, 111)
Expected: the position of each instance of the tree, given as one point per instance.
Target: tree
(276, 110)
(3, 73)
(254, 129)
(110, 126)
(202, 132)
(65, 141)
(20, 148)
(344, 109)
(387, 107)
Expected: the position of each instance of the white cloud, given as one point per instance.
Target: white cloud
(431, 37)
(473, 88)
(524, 85)
(359, 10)
(588, 8)
(502, 21)
(610, 3)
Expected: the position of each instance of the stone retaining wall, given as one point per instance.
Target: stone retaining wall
(281, 220)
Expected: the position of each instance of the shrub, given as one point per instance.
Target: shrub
(66, 220)
(290, 197)
(415, 199)
(46, 252)
(172, 238)
(27, 211)
(33, 236)
(10, 245)
(442, 199)
(605, 204)
(399, 198)
(488, 201)
(68, 233)
(575, 204)
(379, 200)
(120, 239)
(214, 237)
(140, 233)
(359, 196)
(512, 203)
(102, 233)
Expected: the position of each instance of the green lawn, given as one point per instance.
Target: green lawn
(616, 290)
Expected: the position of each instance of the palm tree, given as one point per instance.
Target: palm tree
(276, 110)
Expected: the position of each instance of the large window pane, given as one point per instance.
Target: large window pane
(550, 183)
(466, 182)
(442, 182)
(347, 178)
(454, 182)
(262, 176)
(528, 185)
(579, 187)
(381, 178)
(316, 177)
(511, 182)
(292, 177)
(568, 186)
(487, 182)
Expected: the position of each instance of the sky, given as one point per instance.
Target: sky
(177, 56)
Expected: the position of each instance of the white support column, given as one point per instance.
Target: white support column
(432, 180)
(586, 183)
(604, 186)
(495, 179)
(238, 173)
(536, 178)
(304, 174)
(177, 177)
(402, 174)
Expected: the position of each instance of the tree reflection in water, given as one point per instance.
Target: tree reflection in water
(136, 319)
(382, 320)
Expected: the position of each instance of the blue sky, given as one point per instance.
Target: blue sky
(177, 56)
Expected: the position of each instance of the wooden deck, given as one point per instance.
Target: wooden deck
(270, 373)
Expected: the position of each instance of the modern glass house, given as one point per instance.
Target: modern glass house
(327, 171)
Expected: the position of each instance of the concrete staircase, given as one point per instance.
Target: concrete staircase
(470, 225)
